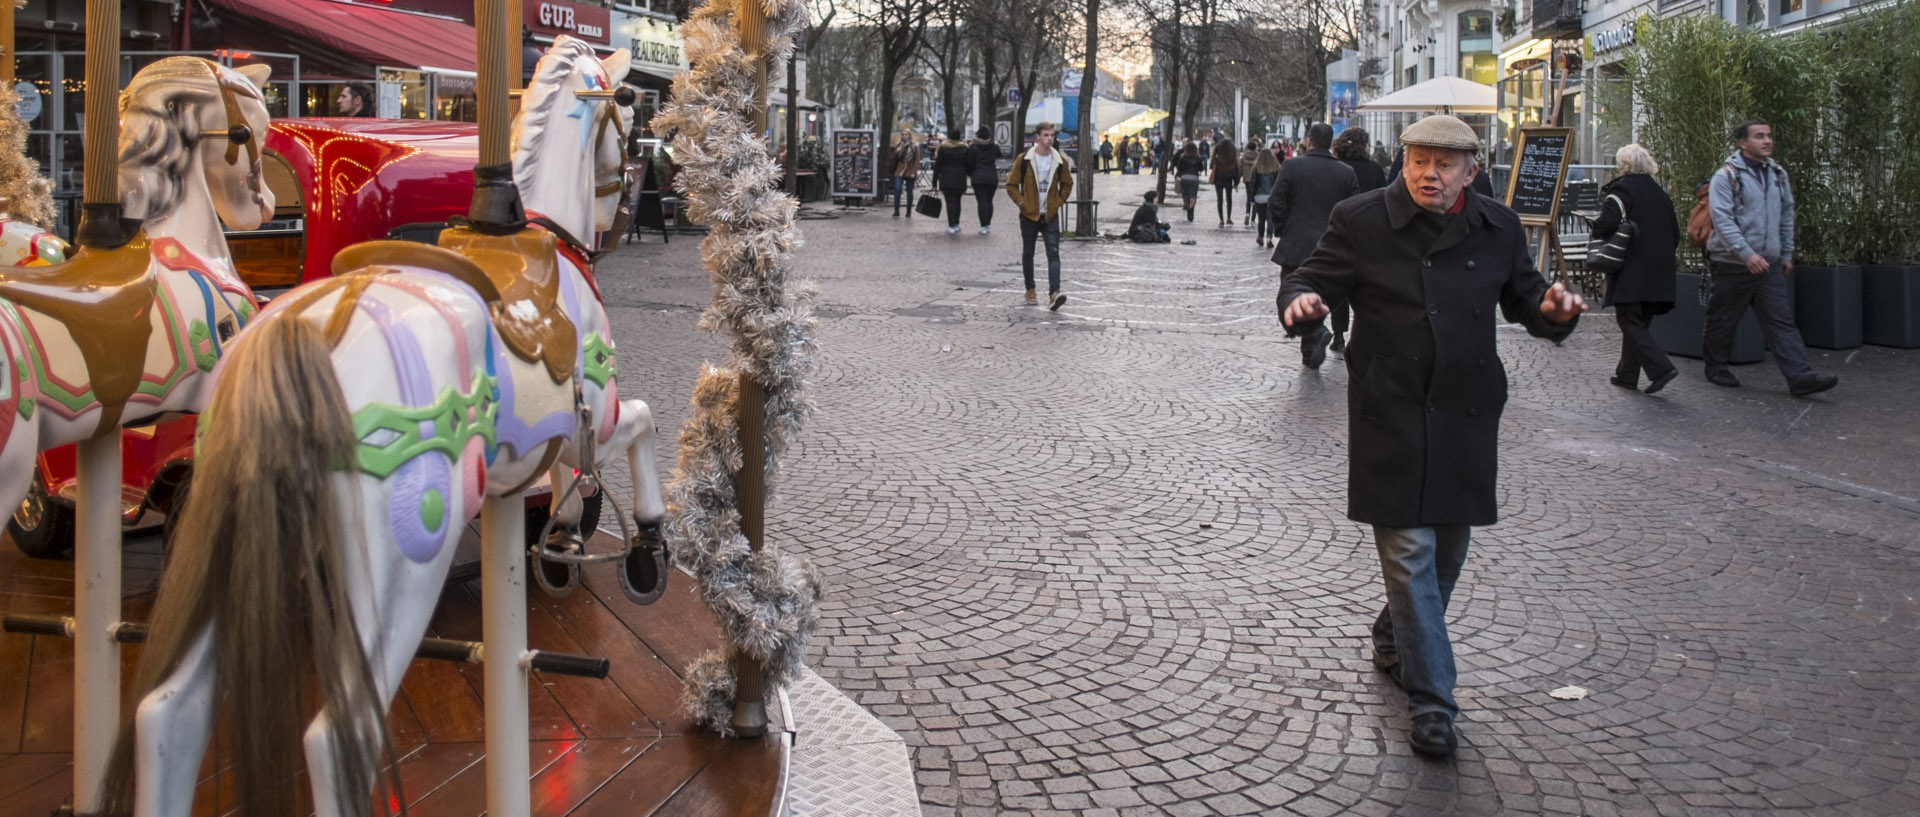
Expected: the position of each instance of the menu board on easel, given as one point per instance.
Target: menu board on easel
(1533, 188)
(856, 168)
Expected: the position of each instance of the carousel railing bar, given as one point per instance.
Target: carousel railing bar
(435, 649)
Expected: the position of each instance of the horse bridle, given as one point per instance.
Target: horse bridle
(609, 121)
(237, 132)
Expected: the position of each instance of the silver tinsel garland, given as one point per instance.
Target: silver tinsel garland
(767, 602)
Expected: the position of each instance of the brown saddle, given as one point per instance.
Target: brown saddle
(105, 298)
(516, 275)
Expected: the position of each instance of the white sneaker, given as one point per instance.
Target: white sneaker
(954, 230)
(983, 230)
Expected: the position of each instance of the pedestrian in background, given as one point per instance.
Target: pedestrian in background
(1147, 228)
(983, 165)
(1643, 286)
(1226, 177)
(1751, 255)
(1310, 185)
(952, 168)
(1247, 159)
(355, 100)
(1350, 147)
(905, 166)
(1189, 167)
(1425, 262)
(1039, 183)
(1266, 171)
(1106, 153)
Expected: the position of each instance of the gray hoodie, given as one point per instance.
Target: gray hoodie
(1760, 222)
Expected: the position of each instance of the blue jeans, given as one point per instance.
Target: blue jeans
(898, 183)
(1420, 566)
(1029, 230)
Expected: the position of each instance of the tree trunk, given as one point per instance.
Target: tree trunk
(1168, 143)
(885, 128)
(793, 124)
(1084, 221)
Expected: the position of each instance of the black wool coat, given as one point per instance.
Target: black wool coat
(1426, 386)
(952, 165)
(1368, 173)
(983, 163)
(1310, 185)
(1647, 275)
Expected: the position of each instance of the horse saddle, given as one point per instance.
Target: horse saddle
(515, 274)
(105, 299)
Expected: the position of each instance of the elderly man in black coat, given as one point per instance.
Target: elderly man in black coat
(1310, 185)
(1425, 262)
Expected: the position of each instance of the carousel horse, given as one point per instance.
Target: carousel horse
(360, 422)
(27, 245)
(118, 337)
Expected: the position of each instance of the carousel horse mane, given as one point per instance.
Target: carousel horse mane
(159, 128)
(541, 102)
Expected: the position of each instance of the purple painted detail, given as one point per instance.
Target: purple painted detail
(428, 472)
(510, 431)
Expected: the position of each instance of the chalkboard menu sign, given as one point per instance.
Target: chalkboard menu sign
(856, 163)
(1539, 171)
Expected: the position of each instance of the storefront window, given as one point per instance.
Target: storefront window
(1477, 62)
(401, 94)
(453, 98)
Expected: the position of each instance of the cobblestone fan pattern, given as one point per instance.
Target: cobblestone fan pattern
(1095, 562)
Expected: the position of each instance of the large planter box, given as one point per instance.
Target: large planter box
(1892, 305)
(1683, 331)
(1828, 305)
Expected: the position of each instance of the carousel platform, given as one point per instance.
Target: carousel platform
(612, 746)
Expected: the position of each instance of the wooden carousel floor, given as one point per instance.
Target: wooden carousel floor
(600, 747)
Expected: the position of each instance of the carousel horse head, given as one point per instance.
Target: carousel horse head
(569, 139)
(188, 124)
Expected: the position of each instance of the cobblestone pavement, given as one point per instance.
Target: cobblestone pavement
(1095, 562)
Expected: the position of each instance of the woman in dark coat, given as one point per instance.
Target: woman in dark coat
(1643, 287)
(983, 165)
(1189, 166)
(1351, 147)
(952, 165)
(1226, 176)
(1266, 171)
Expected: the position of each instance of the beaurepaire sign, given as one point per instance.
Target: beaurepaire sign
(656, 46)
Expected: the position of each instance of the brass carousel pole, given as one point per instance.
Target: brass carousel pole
(96, 556)
(503, 586)
(749, 703)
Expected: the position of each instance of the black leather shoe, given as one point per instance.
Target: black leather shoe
(1624, 383)
(1662, 381)
(1432, 735)
(1814, 385)
(1723, 378)
(1339, 342)
(1313, 350)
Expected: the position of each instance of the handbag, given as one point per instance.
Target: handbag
(1609, 255)
(929, 205)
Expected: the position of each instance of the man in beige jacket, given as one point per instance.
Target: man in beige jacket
(1039, 183)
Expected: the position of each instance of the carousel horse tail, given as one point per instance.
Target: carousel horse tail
(259, 563)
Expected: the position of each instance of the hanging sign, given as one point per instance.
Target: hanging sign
(556, 17)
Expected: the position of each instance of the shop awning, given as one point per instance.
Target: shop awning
(370, 34)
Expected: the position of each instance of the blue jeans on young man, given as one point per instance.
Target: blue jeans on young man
(905, 182)
(1030, 230)
(1420, 566)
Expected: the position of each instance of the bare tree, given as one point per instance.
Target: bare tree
(1020, 42)
(945, 52)
(898, 28)
(841, 64)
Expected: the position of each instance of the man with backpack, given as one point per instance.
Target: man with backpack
(1750, 253)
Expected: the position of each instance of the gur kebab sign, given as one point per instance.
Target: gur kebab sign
(555, 17)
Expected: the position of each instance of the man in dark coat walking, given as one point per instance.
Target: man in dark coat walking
(1309, 186)
(1425, 261)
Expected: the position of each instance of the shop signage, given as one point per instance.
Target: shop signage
(856, 168)
(29, 104)
(1609, 40)
(554, 17)
(657, 47)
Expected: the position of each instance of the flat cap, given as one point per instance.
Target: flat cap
(1441, 131)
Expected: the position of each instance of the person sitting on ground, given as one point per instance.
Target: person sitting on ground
(1147, 228)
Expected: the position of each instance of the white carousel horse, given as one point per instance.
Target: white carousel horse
(360, 422)
(115, 338)
(28, 245)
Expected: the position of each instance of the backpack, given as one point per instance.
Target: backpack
(1700, 218)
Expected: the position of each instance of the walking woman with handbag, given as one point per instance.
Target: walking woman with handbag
(1266, 171)
(1226, 176)
(1640, 279)
(952, 167)
(1188, 166)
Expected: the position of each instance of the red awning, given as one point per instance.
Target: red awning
(377, 35)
